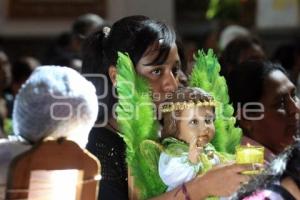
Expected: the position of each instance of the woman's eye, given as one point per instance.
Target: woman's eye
(175, 71)
(294, 96)
(156, 72)
(281, 103)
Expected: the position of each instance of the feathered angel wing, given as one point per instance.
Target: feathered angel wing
(151, 150)
(137, 123)
(206, 75)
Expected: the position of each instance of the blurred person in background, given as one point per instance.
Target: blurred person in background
(5, 81)
(20, 71)
(67, 50)
(238, 50)
(230, 33)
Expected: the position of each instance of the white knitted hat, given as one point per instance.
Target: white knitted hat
(55, 101)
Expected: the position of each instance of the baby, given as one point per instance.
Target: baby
(188, 128)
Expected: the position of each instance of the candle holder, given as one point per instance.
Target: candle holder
(250, 155)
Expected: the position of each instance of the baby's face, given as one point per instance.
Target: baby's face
(197, 124)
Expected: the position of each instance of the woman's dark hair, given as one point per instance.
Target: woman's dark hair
(182, 94)
(246, 82)
(286, 55)
(133, 35)
(182, 56)
(286, 164)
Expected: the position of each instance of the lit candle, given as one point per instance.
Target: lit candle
(250, 155)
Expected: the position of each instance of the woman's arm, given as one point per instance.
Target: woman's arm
(219, 181)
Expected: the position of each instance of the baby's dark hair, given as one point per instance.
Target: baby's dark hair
(181, 95)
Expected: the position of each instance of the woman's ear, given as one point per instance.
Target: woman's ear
(112, 72)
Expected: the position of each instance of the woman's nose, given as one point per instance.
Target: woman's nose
(294, 106)
(170, 83)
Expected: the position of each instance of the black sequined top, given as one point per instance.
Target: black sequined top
(109, 148)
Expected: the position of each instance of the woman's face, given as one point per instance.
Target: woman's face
(279, 123)
(163, 78)
(197, 124)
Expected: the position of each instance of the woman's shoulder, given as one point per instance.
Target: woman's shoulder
(102, 141)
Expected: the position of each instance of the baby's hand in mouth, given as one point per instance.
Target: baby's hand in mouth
(202, 141)
(195, 148)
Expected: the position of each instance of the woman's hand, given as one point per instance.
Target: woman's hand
(221, 181)
(224, 180)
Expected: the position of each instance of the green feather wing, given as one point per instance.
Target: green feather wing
(137, 123)
(151, 150)
(206, 75)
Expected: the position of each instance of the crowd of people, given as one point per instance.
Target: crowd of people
(263, 94)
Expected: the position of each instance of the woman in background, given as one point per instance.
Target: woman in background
(266, 105)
